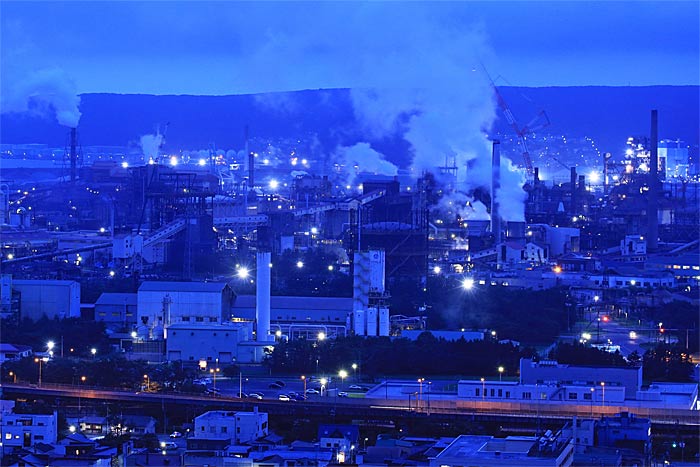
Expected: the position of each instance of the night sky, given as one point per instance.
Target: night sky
(231, 48)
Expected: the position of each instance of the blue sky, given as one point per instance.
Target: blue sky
(229, 48)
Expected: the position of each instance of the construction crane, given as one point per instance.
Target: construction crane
(540, 121)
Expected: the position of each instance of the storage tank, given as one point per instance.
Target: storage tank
(384, 324)
(371, 321)
(158, 332)
(358, 323)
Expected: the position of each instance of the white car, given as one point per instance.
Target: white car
(284, 397)
(313, 391)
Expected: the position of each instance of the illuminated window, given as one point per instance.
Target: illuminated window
(8, 435)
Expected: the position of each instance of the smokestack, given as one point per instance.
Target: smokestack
(653, 208)
(262, 297)
(572, 181)
(251, 162)
(495, 186)
(73, 155)
(537, 175)
(582, 183)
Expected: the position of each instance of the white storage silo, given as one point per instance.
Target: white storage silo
(371, 321)
(384, 323)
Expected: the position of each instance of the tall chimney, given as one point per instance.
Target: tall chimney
(251, 162)
(495, 186)
(572, 181)
(73, 155)
(262, 296)
(537, 175)
(653, 207)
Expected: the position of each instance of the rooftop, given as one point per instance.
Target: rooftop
(168, 286)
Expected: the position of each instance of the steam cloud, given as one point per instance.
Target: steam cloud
(150, 145)
(46, 92)
(362, 158)
(426, 87)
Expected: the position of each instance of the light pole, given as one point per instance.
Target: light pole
(214, 371)
(602, 384)
(420, 392)
(354, 368)
(303, 378)
(14, 376)
(592, 395)
(483, 389)
(50, 345)
(39, 361)
(324, 381)
(343, 374)
(500, 373)
(148, 382)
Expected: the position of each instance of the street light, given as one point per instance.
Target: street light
(602, 384)
(14, 376)
(50, 345)
(483, 388)
(93, 351)
(303, 378)
(148, 382)
(354, 368)
(500, 373)
(214, 371)
(321, 336)
(343, 374)
(420, 392)
(324, 381)
(39, 361)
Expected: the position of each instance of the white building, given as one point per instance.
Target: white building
(192, 342)
(14, 352)
(523, 451)
(53, 298)
(239, 427)
(24, 430)
(160, 304)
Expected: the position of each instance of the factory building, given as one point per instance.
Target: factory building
(161, 304)
(116, 309)
(192, 342)
(296, 317)
(53, 298)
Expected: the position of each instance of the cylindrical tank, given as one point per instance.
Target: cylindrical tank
(371, 321)
(384, 325)
(358, 322)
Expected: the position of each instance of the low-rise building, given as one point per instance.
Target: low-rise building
(237, 427)
(192, 342)
(523, 451)
(14, 352)
(53, 298)
(20, 430)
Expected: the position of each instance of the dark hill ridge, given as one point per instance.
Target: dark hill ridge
(607, 114)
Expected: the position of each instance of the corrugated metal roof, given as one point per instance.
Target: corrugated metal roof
(167, 286)
(117, 299)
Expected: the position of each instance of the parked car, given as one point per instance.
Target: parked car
(355, 387)
(313, 391)
(298, 397)
(255, 395)
(176, 434)
(213, 392)
(280, 382)
(275, 386)
(342, 394)
(284, 397)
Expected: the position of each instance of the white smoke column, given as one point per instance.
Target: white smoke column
(150, 145)
(44, 92)
(511, 196)
(362, 158)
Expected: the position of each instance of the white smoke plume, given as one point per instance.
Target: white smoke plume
(150, 145)
(362, 158)
(46, 92)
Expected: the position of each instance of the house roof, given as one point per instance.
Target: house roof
(13, 347)
(170, 286)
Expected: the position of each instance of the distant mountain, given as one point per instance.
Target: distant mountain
(607, 114)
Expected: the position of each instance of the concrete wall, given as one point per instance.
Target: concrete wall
(53, 298)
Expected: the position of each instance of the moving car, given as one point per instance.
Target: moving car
(176, 434)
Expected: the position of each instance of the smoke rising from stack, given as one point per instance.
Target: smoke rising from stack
(150, 145)
(362, 158)
(45, 92)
